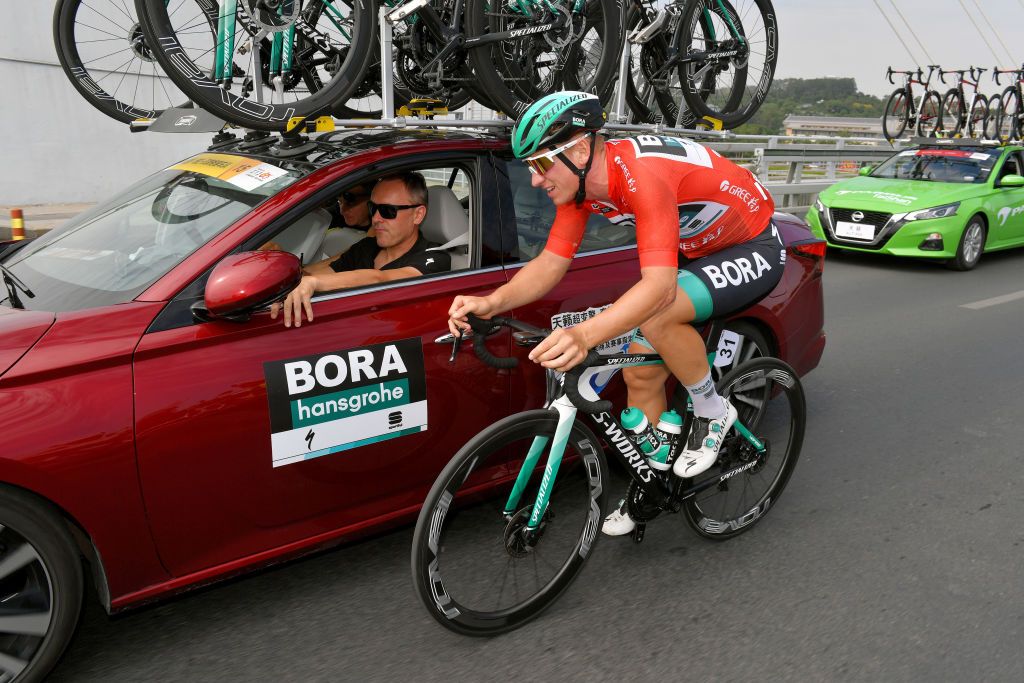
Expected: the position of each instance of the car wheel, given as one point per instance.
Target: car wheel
(752, 344)
(972, 243)
(40, 587)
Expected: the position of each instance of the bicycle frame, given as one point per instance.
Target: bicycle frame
(658, 489)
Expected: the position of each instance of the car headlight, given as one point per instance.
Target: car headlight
(934, 212)
(819, 206)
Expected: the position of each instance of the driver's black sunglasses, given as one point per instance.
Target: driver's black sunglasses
(388, 211)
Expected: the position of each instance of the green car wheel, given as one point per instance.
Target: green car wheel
(972, 243)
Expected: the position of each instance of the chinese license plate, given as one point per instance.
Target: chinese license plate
(857, 231)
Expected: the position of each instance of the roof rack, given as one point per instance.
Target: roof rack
(956, 142)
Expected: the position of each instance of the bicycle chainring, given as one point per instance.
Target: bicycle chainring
(272, 16)
(638, 507)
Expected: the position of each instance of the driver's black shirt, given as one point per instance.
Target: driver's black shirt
(361, 255)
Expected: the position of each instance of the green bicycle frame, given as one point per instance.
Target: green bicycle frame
(223, 65)
(728, 20)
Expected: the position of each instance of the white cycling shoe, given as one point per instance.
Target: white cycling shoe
(619, 523)
(704, 442)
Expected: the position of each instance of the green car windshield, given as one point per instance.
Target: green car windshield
(113, 252)
(939, 166)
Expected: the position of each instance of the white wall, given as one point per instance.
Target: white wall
(54, 146)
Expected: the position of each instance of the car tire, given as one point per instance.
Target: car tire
(41, 581)
(972, 244)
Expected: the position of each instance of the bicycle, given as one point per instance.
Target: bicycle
(501, 536)
(955, 107)
(900, 110)
(1008, 123)
(101, 47)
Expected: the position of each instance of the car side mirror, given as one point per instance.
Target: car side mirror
(866, 170)
(1012, 180)
(241, 284)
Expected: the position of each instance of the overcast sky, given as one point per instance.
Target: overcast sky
(850, 38)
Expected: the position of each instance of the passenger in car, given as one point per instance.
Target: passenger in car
(355, 218)
(397, 207)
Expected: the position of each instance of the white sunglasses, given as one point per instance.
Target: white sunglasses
(542, 163)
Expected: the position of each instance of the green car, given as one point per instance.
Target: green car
(940, 201)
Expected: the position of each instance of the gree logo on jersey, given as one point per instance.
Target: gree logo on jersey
(737, 272)
(630, 181)
(741, 193)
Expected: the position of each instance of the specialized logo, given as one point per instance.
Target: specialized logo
(351, 398)
(630, 181)
(737, 271)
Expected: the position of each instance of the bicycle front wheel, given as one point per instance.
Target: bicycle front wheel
(952, 112)
(1009, 124)
(478, 567)
(769, 400)
(995, 117)
(978, 118)
(929, 119)
(897, 110)
(267, 62)
(581, 54)
(735, 46)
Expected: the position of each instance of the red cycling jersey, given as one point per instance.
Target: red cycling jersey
(683, 198)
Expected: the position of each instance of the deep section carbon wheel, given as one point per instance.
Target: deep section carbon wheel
(770, 402)
(480, 570)
(269, 60)
(897, 114)
(106, 57)
(728, 52)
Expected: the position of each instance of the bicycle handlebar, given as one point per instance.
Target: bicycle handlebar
(482, 327)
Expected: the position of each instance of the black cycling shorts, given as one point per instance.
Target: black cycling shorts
(732, 279)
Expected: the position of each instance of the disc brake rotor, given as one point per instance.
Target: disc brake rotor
(273, 16)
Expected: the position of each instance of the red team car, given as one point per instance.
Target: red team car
(152, 447)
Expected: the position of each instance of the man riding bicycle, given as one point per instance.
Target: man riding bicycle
(706, 244)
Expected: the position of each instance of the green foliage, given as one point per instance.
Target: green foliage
(811, 97)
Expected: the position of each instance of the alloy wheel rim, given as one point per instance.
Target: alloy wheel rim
(972, 243)
(26, 603)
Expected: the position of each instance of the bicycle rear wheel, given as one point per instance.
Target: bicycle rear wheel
(1009, 124)
(478, 570)
(740, 83)
(581, 55)
(897, 110)
(105, 56)
(929, 119)
(978, 117)
(952, 112)
(243, 73)
(770, 401)
(995, 117)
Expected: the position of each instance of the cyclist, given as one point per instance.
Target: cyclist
(706, 245)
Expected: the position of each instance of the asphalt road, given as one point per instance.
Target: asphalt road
(894, 554)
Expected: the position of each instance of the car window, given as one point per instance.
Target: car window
(939, 165)
(113, 252)
(1011, 166)
(535, 213)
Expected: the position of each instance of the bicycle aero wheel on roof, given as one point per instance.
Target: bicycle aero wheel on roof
(530, 50)
(736, 45)
(102, 50)
(897, 113)
(769, 401)
(478, 569)
(269, 61)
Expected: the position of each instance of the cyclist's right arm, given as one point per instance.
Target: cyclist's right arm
(533, 281)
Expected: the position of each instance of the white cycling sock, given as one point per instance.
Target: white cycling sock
(706, 401)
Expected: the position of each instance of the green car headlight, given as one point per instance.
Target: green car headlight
(934, 212)
(819, 206)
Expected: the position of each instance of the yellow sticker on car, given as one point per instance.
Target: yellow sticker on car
(243, 172)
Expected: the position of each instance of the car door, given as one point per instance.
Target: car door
(253, 437)
(603, 269)
(1008, 227)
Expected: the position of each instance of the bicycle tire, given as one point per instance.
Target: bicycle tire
(196, 79)
(758, 388)
(666, 81)
(77, 22)
(461, 527)
(896, 115)
(1009, 117)
(995, 115)
(929, 119)
(507, 71)
(977, 118)
(750, 83)
(952, 112)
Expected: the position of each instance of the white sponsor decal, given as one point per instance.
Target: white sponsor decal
(881, 196)
(186, 120)
(630, 181)
(257, 176)
(1007, 212)
(736, 272)
(744, 195)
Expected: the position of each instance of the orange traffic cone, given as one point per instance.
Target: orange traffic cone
(17, 225)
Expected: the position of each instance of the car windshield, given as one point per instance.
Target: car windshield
(938, 165)
(113, 252)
